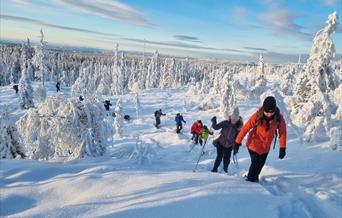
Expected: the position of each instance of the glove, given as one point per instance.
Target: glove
(214, 120)
(236, 148)
(282, 153)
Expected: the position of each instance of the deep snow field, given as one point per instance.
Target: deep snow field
(307, 183)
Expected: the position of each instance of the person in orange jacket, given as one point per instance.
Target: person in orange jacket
(263, 125)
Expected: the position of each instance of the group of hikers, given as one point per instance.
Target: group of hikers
(262, 127)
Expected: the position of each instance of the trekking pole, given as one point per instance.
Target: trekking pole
(235, 160)
(199, 157)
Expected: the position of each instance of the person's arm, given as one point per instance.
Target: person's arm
(219, 125)
(245, 128)
(282, 132)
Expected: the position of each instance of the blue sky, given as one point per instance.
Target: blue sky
(234, 30)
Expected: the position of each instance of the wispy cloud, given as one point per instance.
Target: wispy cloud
(35, 2)
(186, 38)
(182, 45)
(109, 9)
(41, 23)
(281, 21)
(255, 49)
(331, 2)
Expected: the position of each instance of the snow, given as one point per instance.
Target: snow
(307, 183)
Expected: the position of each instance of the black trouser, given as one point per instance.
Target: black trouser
(179, 127)
(157, 121)
(195, 137)
(257, 162)
(222, 153)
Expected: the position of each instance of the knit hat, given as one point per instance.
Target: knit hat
(269, 104)
(236, 114)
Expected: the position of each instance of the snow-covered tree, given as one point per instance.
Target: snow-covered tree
(153, 71)
(25, 90)
(227, 100)
(137, 105)
(10, 143)
(312, 102)
(118, 120)
(66, 128)
(39, 59)
(260, 81)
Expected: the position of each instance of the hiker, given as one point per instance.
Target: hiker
(58, 86)
(16, 88)
(127, 118)
(225, 142)
(157, 115)
(204, 134)
(195, 130)
(107, 104)
(179, 119)
(263, 125)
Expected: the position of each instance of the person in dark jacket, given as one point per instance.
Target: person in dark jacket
(157, 115)
(262, 127)
(16, 88)
(107, 104)
(225, 142)
(58, 86)
(179, 119)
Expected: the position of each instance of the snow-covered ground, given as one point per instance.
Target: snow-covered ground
(307, 183)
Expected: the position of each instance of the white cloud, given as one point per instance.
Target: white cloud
(109, 9)
(282, 21)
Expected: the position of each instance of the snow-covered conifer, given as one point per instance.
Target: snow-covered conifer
(39, 59)
(10, 143)
(25, 90)
(118, 120)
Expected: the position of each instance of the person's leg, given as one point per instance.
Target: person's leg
(226, 158)
(196, 138)
(254, 167)
(157, 122)
(218, 160)
(262, 160)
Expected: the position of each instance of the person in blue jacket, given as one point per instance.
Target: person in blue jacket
(179, 119)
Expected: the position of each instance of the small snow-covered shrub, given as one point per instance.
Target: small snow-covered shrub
(40, 93)
(143, 152)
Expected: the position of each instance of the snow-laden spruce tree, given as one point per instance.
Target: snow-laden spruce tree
(137, 105)
(118, 78)
(25, 90)
(66, 128)
(227, 99)
(118, 122)
(205, 87)
(312, 102)
(260, 81)
(104, 87)
(10, 143)
(153, 72)
(39, 59)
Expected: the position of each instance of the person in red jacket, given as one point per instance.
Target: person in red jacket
(263, 125)
(195, 130)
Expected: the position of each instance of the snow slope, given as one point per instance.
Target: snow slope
(307, 183)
